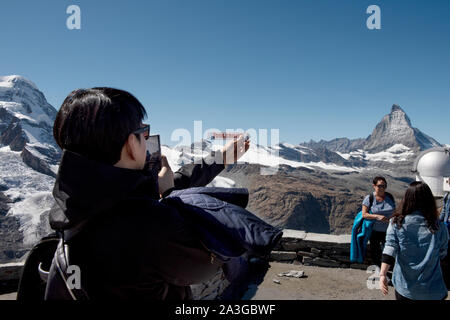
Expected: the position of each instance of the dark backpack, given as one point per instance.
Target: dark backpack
(49, 258)
(32, 284)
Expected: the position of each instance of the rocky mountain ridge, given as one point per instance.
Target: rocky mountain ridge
(26, 124)
(394, 128)
(28, 164)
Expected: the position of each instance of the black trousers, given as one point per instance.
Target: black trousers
(377, 241)
(398, 296)
(445, 266)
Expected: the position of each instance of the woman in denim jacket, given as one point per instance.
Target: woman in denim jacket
(416, 241)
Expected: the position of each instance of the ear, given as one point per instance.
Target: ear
(132, 147)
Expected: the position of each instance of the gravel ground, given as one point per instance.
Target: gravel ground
(320, 284)
(9, 296)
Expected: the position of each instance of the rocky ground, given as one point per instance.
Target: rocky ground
(319, 284)
(8, 296)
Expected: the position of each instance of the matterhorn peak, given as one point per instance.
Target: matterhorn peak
(395, 128)
(396, 107)
(398, 117)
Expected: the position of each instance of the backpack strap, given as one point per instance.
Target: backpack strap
(31, 287)
(61, 266)
(371, 198)
(61, 263)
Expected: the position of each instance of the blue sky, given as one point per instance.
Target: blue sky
(311, 69)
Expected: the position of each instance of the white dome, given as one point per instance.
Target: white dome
(432, 166)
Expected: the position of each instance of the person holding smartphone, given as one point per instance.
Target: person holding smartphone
(131, 246)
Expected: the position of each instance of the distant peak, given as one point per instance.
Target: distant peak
(12, 80)
(396, 107)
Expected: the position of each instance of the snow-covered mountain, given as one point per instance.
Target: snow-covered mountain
(28, 154)
(396, 153)
(283, 154)
(393, 130)
(392, 141)
(26, 124)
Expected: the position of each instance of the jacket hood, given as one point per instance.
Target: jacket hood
(85, 188)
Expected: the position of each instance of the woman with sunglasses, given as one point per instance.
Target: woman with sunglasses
(381, 208)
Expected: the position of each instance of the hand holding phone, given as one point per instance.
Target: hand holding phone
(165, 177)
(153, 160)
(158, 163)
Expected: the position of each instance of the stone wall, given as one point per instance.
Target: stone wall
(9, 276)
(316, 249)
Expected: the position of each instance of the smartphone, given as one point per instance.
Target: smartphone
(153, 160)
(228, 135)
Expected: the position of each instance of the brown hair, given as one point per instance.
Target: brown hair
(418, 197)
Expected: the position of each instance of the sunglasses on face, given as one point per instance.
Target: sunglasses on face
(145, 129)
(382, 186)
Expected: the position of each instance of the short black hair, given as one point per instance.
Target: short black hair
(96, 122)
(378, 178)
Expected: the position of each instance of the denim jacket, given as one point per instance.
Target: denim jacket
(417, 272)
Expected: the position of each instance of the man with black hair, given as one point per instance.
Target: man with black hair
(131, 246)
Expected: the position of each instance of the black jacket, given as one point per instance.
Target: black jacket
(223, 224)
(133, 246)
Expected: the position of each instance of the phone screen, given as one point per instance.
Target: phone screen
(154, 145)
(153, 160)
